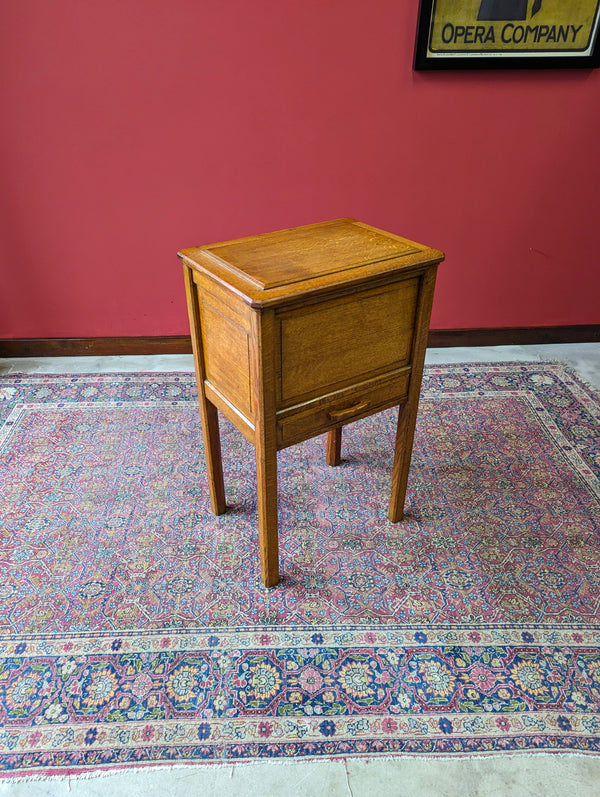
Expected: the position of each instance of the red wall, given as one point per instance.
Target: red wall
(132, 128)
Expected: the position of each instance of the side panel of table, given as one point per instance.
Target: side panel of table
(225, 332)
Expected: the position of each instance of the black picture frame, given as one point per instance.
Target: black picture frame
(504, 17)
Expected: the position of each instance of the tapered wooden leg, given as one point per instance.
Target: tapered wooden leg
(264, 335)
(266, 478)
(212, 454)
(208, 411)
(334, 446)
(402, 455)
(407, 415)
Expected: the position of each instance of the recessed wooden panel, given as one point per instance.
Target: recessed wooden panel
(226, 357)
(288, 256)
(329, 345)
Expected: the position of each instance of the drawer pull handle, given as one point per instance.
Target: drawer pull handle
(339, 415)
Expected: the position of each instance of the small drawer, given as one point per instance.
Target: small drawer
(341, 408)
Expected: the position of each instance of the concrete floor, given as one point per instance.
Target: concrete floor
(530, 775)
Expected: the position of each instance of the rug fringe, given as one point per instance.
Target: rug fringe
(208, 766)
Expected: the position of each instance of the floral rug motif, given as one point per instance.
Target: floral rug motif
(134, 628)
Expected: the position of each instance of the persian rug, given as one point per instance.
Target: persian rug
(134, 629)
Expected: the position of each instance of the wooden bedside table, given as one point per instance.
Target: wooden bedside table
(300, 331)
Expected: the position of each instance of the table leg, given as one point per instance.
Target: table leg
(264, 336)
(407, 415)
(334, 446)
(266, 478)
(212, 454)
(208, 411)
(402, 455)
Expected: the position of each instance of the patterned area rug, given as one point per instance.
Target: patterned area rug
(134, 628)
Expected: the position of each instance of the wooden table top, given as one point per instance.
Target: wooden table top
(272, 267)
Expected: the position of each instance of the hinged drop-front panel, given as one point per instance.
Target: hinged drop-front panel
(331, 345)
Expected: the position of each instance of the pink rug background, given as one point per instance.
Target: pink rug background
(134, 627)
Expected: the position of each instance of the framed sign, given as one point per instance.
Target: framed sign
(471, 34)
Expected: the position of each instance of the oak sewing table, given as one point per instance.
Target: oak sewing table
(298, 332)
